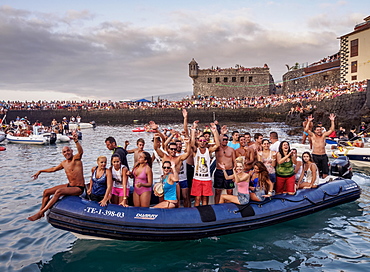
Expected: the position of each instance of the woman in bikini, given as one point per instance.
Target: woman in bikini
(268, 158)
(170, 180)
(143, 180)
(241, 180)
(101, 182)
(120, 190)
(310, 174)
(260, 184)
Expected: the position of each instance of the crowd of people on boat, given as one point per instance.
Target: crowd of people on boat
(257, 167)
(198, 102)
(23, 127)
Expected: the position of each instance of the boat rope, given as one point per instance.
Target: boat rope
(283, 199)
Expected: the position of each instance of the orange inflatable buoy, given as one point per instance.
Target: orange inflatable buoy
(2, 148)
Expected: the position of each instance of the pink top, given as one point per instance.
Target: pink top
(243, 187)
(142, 177)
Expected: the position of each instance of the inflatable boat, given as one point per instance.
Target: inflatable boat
(87, 219)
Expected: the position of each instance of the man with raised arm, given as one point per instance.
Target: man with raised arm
(73, 168)
(318, 144)
(202, 180)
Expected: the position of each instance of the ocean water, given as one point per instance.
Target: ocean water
(336, 239)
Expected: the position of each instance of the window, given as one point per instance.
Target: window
(250, 79)
(326, 77)
(242, 79)
(209, 80)
(217, 79)
(225, 79)
(354, 77)
(354, 48)
(354, 67)
(233, 79)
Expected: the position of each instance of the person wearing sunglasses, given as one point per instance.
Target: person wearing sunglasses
(169, 180)
(177, 160)
(202, 181)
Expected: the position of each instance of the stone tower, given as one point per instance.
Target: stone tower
(193, 69)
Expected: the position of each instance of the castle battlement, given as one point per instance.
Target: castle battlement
(231, 82)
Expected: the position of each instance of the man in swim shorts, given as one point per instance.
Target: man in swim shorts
(202, 180)
(73, 168)
(318, 143)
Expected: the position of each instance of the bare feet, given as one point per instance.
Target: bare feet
(36, 216)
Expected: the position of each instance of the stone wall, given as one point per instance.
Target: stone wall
(293, 81)
(233, 83)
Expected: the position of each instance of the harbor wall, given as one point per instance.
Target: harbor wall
(350, 109)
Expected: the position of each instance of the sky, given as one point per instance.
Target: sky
(118, 49)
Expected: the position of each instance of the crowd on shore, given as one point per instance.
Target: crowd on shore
(256, 169)
(198, 102)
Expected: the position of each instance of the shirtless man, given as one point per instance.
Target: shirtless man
(225, 157)
(139, 149)
(72, 166)
(246, 152)
(248, 139)
(202, 180)
(318, 143)
(305, 134)
(257, 146)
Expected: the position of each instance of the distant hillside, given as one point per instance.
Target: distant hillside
(171, 96)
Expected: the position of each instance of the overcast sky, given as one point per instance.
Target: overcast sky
(118, 49)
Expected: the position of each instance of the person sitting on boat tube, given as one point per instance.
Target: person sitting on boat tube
(72, 166)
(260, 185)
(241, 180)
(101, 182)
(169, 180)
(310, 174)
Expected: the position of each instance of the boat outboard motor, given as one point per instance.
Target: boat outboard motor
(341, 167)
(53, 138)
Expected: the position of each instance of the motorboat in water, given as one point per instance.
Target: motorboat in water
(73, 126)
(87, 219)
(32, 139)
(359, 156)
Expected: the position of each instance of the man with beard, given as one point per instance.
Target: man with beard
(225, 157)
(318, 144)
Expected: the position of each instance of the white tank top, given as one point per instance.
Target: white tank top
(117, 177)
(202, 164)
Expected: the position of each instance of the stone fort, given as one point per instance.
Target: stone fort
(231, 82)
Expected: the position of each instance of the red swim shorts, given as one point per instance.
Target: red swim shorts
(201, 188)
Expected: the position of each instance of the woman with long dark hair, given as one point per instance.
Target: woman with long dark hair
(260, 184)
(143, 180)
(285, 176)
(310, 174)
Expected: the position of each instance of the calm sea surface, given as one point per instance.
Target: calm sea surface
(336, 239)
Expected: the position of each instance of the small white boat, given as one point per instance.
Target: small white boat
(62, 138)
(73, 126)
(32, 139)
